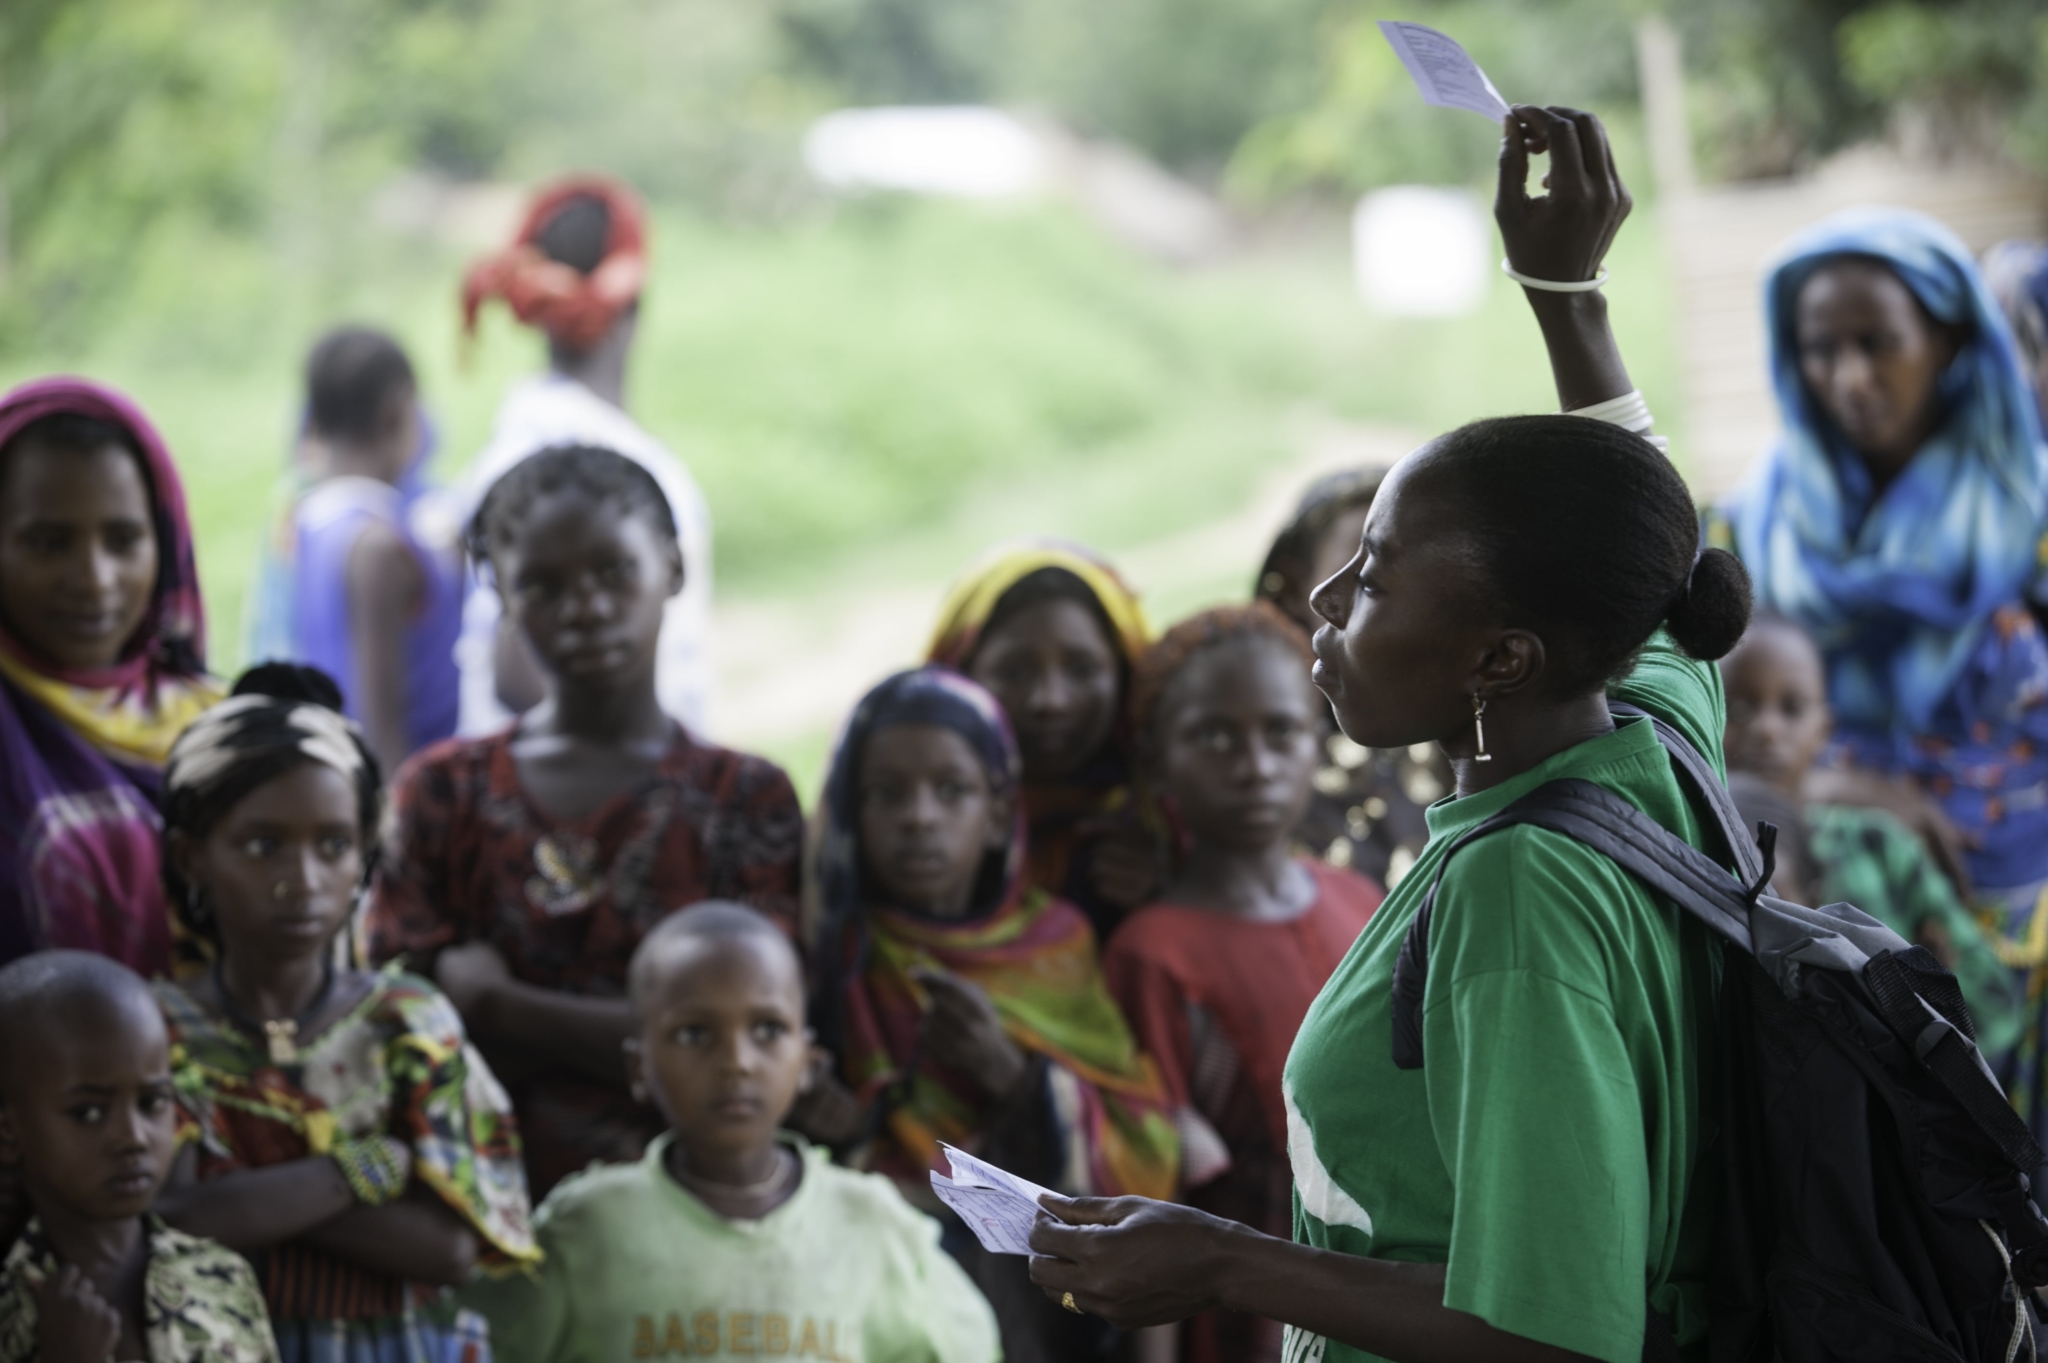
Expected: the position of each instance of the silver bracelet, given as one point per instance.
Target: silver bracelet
(1552, 285)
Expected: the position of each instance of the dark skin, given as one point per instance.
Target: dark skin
(1338, 542)
(1872, 358)
(1778, 723)
(1059, 679)
(281, 869)
(386, 585)
(78, 552)
(90, 1116)
(1406, 643)
(1778, 718)
(928, 817)
(586, 583)
(521, 677)
(1233, 746)
(722, 1053)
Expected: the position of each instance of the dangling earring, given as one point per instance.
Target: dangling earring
(1479, 727)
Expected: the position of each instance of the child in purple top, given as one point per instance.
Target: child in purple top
(360, 583)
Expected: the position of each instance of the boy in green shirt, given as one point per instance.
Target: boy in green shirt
(731, 1238)
(1778, 723)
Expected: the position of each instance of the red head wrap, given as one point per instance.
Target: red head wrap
(574, 309)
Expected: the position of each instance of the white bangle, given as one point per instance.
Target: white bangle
(1629, 411)
(1552, 285)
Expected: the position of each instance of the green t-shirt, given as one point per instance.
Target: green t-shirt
(1868, 858)
(845, 1272)
(1546, 1150)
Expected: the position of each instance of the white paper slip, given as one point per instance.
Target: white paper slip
(997, 1206)
(1443, 71)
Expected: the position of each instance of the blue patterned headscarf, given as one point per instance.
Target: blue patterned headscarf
(1897, 588)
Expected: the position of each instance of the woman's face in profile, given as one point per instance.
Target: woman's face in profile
(1872, 358)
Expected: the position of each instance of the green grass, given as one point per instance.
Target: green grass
(870, 393)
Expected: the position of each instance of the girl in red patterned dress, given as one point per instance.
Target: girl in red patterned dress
(527, 866)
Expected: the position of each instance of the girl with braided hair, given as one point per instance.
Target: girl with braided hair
(337, 1127)
(527, 865)
(1217, 973)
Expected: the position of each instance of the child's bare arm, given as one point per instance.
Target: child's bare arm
(501, 1012)
(419, 1238)
(253, 1209)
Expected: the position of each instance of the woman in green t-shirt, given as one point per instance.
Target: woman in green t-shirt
(1526, 1195)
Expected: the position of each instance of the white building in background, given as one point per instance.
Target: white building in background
(1419, 251)
(974, 152)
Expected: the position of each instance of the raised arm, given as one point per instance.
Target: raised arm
(1562, 237)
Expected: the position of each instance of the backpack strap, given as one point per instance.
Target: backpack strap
(1705, 785)
(1611, 826)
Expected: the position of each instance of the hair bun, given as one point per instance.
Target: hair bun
(1710, 615)
(290, 681)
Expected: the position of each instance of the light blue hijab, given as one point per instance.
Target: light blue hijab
(1897, 588)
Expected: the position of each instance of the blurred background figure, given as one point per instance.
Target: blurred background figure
(2017, 272)
(575, 272)
(1366, 813)
(363, 575)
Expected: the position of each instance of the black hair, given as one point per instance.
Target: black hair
(712, 920)
(76, 433)
(1583, 532)
(1258, 622)
(350, 374)
(604, 476)
(1051, 584)
(35, 987)
(1293, 554)
(577, 233)
(235, 748)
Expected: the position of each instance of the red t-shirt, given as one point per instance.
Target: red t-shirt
(1217, 1000)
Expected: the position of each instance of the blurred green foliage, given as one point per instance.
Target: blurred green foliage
(134, 128)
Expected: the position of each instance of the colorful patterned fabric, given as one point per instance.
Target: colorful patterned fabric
(395, 1064)
(80, 750)
(472, 858)
(574, 308)
(200, 1302)
(1917, 597)
(1057, 813)
(1866, 857)
(1034, 955)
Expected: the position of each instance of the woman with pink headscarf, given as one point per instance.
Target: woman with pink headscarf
(102, 665)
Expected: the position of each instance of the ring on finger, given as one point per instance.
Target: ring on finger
(1067, 1300)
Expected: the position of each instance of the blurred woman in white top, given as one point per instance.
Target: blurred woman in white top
(575, 271)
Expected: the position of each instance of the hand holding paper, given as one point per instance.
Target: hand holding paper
(997, 1206)
(1443, 71)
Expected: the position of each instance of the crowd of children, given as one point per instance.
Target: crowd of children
(577, 1040)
